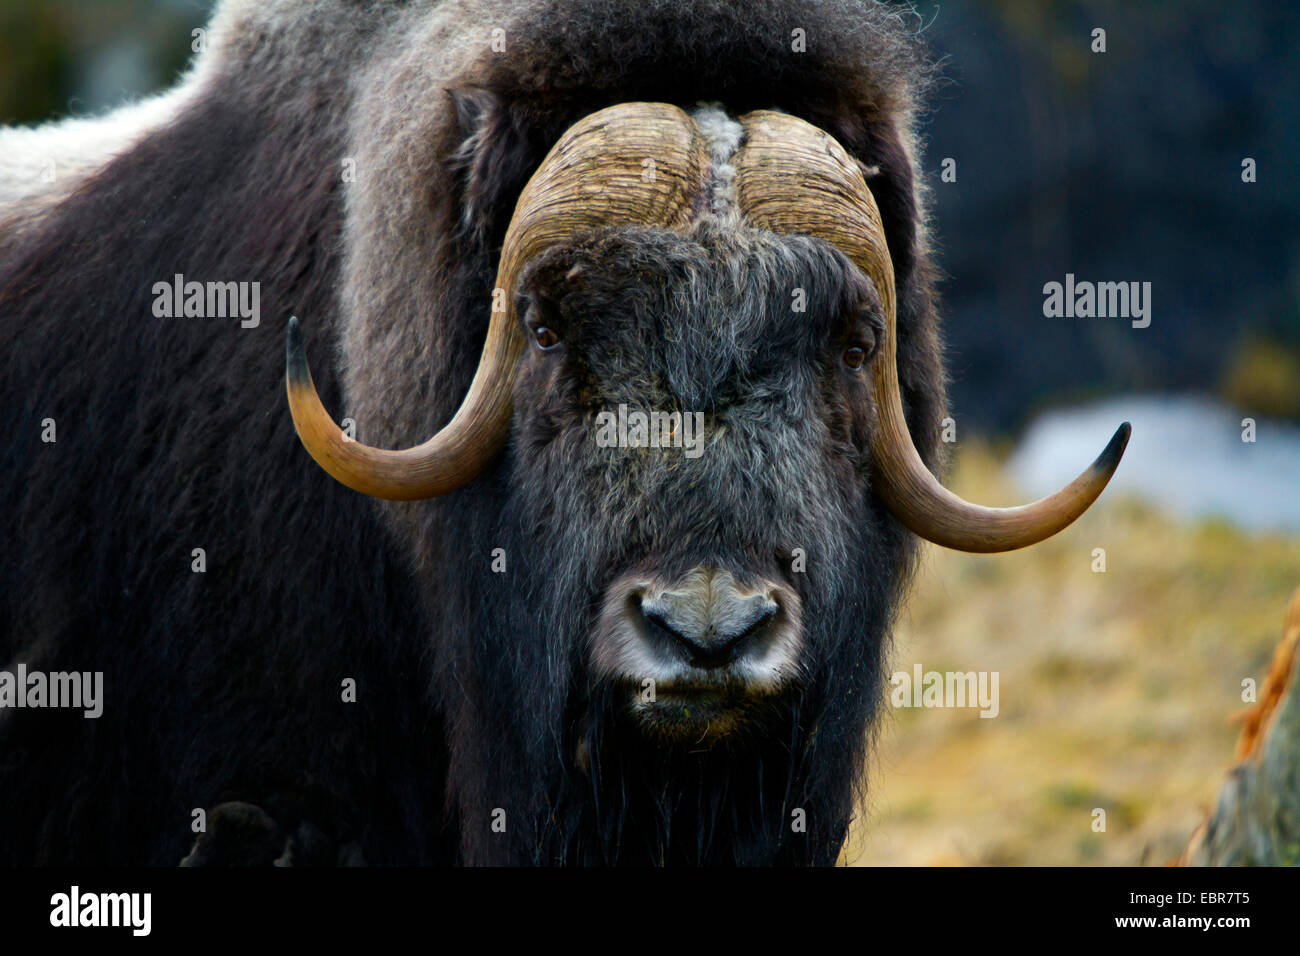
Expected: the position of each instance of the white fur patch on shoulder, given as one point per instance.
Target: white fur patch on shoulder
(48, 158)
(42, 164)
(724, 135)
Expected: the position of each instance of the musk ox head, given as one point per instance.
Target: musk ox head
(692, 350)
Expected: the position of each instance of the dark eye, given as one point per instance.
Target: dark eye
(863, 344)
(545, 337)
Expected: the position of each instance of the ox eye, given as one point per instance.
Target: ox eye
(864, 341)
(545, 337)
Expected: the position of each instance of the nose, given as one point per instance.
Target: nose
(708, 616)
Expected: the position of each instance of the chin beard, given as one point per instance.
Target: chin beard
(655, 791)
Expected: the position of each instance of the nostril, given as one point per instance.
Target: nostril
(766, 614)
(663, 625)
(699, 648)
(660, 620)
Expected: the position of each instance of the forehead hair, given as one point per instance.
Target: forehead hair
(699, 306)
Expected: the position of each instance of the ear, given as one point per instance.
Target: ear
(472, 105)
(492, 164)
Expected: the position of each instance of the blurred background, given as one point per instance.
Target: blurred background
(1118, 166)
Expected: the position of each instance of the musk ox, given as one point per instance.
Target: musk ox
(513, 226)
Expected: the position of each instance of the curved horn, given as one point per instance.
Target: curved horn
(795, 178)
(595, 175)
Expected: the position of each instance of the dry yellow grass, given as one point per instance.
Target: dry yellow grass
(1116, 688)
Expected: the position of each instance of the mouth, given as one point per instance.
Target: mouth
(701, 655)
(695, 711)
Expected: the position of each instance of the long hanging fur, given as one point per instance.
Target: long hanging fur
(360, 160)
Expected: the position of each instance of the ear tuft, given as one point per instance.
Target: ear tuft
(473, 105)
(492, 163)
